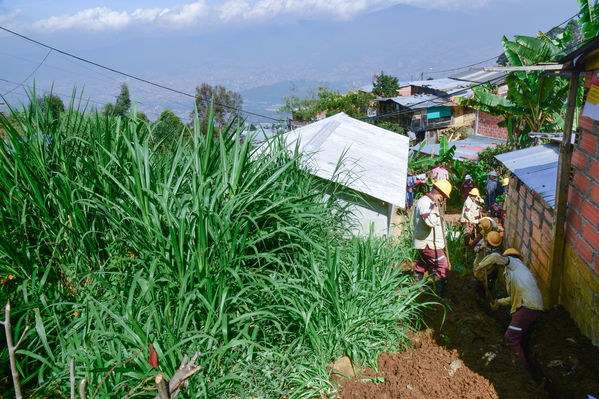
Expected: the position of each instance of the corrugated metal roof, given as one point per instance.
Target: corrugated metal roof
(445, 84)
(479, 75)
(417, 101)
(377, 157)
(536, 167)
(466, 149)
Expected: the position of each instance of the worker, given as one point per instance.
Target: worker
(491, 190)
(429, 236)
(466, 186)
(471, 211)
(485, 225)
(440, 173)
(524, 298)
(409, 198)
(485, 280)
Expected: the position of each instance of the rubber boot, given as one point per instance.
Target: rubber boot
(418, 276)
(440, 287)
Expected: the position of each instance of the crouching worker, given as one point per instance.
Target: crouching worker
(485, 279)
(429, 236)
(524, 298)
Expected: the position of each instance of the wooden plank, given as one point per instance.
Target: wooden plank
(556, 257)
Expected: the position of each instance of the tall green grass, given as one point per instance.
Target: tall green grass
(116, 240)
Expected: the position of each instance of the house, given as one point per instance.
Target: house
(375, 164)
(486, 125)
(552, 205)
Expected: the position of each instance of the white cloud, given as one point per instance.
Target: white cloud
(103, 18)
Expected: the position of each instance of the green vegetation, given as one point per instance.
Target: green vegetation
(386, 85)
(217, 105)
(205, 246)
(353, 103)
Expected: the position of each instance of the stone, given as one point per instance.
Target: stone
(343, 367)
(455, 366)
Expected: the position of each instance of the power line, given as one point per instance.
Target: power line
(45, 91)
(28, 76)
(465, 66)
(133, 76)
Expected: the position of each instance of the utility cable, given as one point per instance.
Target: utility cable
(134, 77)
(45, 91)
(28, 76)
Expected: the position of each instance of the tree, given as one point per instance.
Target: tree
(51, 105)
(386, 85)
(123, 101)
(168, 124)
(226, 103)
(108, 109)
(353, 103)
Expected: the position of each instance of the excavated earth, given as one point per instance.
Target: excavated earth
(461, 354)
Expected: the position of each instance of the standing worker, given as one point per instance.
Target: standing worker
(440, 173)
(429, 236)
(466, 186)
(471, 211)
(491, 190)
(524, 298)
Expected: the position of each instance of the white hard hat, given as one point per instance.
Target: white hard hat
(468, 177)
(493, 173)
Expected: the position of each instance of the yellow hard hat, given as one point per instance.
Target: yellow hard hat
(512, 251)
(494, 239)
(506, 181)
(474, 191)
(485, 223)
(444, 187)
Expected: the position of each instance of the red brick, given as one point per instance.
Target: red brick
(549, 216)
(594, 170)
(543, 258)
(582, 183)
(536, 234)
(546, 229)
(574, 198)
(588, 142)
(585, 123)
(574, 220)
(591, 235)
(590, 212)
(529, 199)
(595, 192)
(584, 251)
(580, 160)
(571, 236)
(535, 218)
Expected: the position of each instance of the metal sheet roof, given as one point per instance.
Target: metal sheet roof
(417, 101)
(376, 157)
(479, 75)
(466, 149)
(445, 84)
(536, 167)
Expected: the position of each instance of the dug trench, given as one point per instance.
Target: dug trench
(460, 353)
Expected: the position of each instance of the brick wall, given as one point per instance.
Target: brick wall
(487, 126)
(580, 284)
(528, 224)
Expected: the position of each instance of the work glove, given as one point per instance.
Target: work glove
(493, 304)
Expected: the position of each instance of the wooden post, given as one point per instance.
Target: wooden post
(556, 257)
(162, 389)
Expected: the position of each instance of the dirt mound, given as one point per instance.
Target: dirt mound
(462, 355)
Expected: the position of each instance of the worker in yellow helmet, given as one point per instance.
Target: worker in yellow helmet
(524, 297)
(471, 211)
(485, 279)
(429, 235)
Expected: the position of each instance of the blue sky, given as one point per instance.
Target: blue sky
(245, 44)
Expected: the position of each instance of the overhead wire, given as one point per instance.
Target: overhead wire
(44, 90)
(28, 76)
(135, 77)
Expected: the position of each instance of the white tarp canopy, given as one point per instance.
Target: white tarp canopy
(376, 157)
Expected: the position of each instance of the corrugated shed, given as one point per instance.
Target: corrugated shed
(536, 167)
(479, 75)
(376, 157)
(446, 85)
(417, 101)
(466, 149)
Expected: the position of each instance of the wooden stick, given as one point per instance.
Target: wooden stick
(162, 389)
(11, 350)
(82, 389)
(72, 375)
(115, 366)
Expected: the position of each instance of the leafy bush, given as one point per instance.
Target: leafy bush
(210, 246)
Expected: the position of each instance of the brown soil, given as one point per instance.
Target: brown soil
(462, 355)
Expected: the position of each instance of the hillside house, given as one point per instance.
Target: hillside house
(552, 206)
(374, 159)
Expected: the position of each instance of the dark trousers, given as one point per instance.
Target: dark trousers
(517, 332)
(434, 261)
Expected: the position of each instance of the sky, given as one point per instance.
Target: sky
(263, 48)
